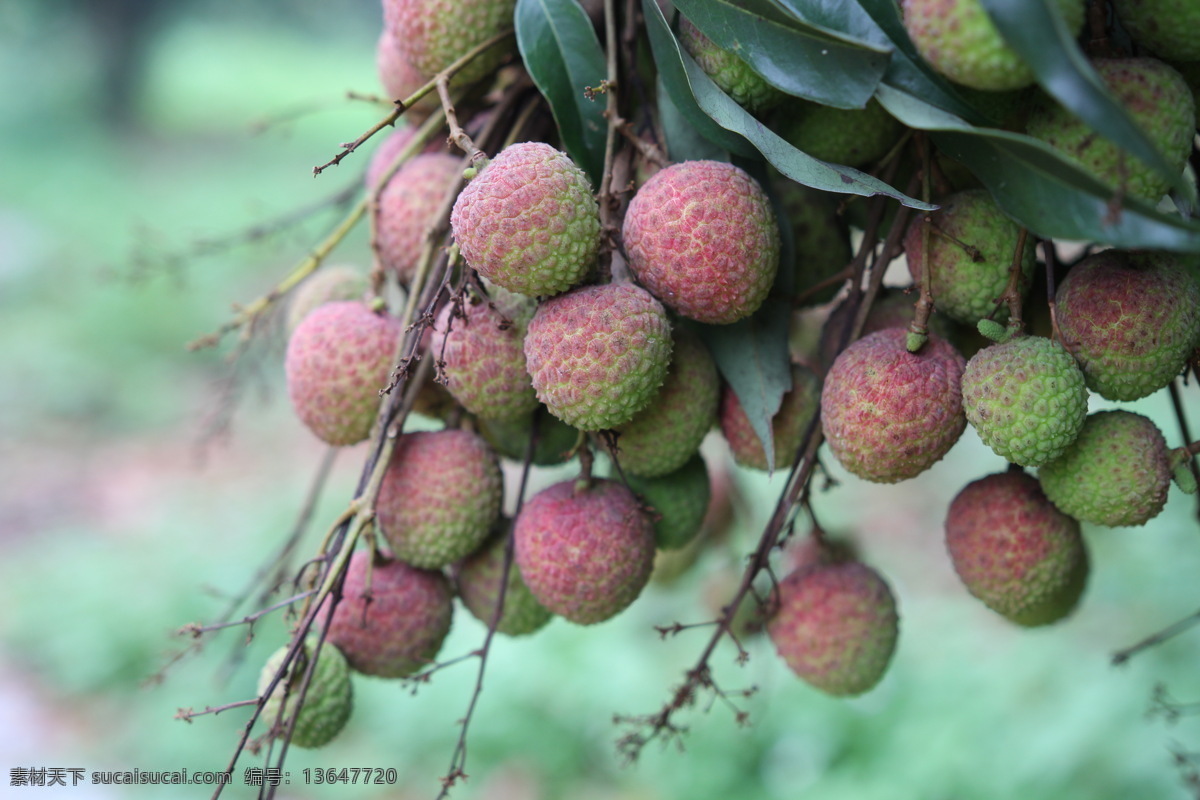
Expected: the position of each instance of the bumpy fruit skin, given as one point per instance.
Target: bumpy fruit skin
(1014, 550)
(662, 437)
(1116, 472)
(788, 426)
(1025, 398)
(836, 626)
(1131, 320)
(482, 355)
(598, 354)
(1160, 103)
(585, 553)
(432, 34)
(338, 358)
(439, 497)
(1167, 27)
(327, 703)
(402, 625)
(678, 501)
(408, 207)
(735, 77)
(971, 245)
(328, 285)
(701, 235)
(855, 137)
(959, 40)
(400, 78)
(478, 579)
(889, 414)
(528, 222)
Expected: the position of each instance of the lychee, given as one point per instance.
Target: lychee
(735, 77)
(338, 359)
(836, 626)
(1014, 550)
(678, 502)
(702, 237)
(327, 285)
(856, 137)
(889, 414)
(400, 78)
(510, 437)
(1165, 27)
(439, 497)
(528, 221)
(1115, 473)
(598, 354)
(893, 308)
(585, 549)
(788, 426)
(1025, 398)
(408, 207)
(478, 579)
(395, 624)
(328, 700)
(820, 240)
(433, 34)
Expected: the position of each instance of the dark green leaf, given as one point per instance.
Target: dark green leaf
(563, 56)
(824, 66)
(1040, 36)
(684, 142)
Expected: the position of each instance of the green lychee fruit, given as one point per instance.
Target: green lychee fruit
(960, 41)
(598, 354)
(735, 77)
(328, 284)
(678, 502)
(478, 579)
(1115, 473)
(528, 222)
(836, 626)
(480, 348)
(328, 700)
(439, 497)
(820, 240)
(1025, 398)
(338, 359)
(796, 411)
(408, 208)
(1190, 72)
(1165, 27)
(433, 34)
(392, 618)
(889, 414)
(856, 137)
(1160, 103)
(664, 435)
(585, 551)
(971, 246)
(1130, 319)
(510, 437)
(400, 78)
(702, 237)
(1014, 550)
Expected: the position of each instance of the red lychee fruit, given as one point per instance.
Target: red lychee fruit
(788, 426)
(400, 78)
(408, 207)
(327, 285)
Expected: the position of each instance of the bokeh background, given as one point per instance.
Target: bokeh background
(145, 147)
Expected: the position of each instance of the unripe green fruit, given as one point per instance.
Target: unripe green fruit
(1116, 473)
(1025, 398)
(856, 137)
(597, 355)
(702, 237)
(1165, 27)
(510, 437)
(788, 426)
(478, 579)
(327, 285)
(836, 626)
(1014, 550)
(528, 222)
(678, 502)
(735, 77)
(820, 240)
(327, 702)
(408, 208)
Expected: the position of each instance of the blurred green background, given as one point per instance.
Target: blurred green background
(123, 516)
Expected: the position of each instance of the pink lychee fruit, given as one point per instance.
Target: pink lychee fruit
(327, 285)
(433, 34)
(408, 207)
(400, 78)
(788, 425)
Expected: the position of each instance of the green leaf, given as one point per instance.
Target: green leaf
(1040, 36)
(752, 356)
(722, 121)
(684, 142)
(821, 65)
(1040, 188)
(563, 56)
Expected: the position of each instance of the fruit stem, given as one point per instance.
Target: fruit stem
(918, 329)
(1012, 291)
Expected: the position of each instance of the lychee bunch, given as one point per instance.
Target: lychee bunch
(478, 579)
(889, 414)
(338, 359)
(528, 222)
(836, 626)
(327, 285)
(1025, 398)
(788, 426)
(1116, 473)
(408, 208)
(328, 700)
(702, 237)
(1131, 320)
(392, 618)
(585, 549)
(1014, 550)
(1160, 103)
(735, 77)
(439, 497)
(432, 34)
(971, 244)
(598, 354)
